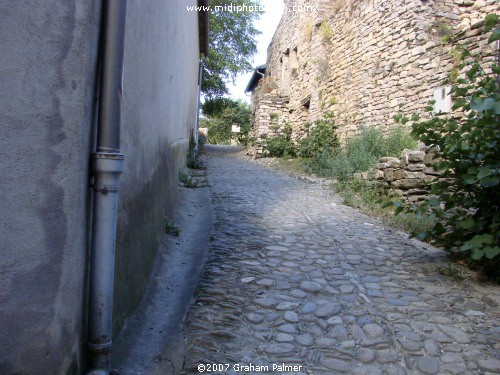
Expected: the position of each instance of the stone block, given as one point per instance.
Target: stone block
(416, 156)
(389, 174)
(431, 171)
(398, 174)
(429, 158)
(416, 192)
(408, 183)
(386, 159)
(404, 157)
(415, 167)
(410, 174)
(396, 163)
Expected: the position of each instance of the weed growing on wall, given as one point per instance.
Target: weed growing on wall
(325, 31)
(187, 180)
(171, 227)
(193, 158)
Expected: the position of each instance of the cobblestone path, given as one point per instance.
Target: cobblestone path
(295, 277)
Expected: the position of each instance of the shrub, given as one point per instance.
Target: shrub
(321, 139)
(282, 144)
(361, 152)
(220, 115)
(466, 201)
(398, 139)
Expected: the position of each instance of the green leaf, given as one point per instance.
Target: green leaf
(490, 22)
(496, 108)
(476, 104)
(490, 181)
(472, 170)
(459, 103)
(484, 172)
(488, 103)
(477, 254)
(439, 228)
(467, 223)
(481, 239)
(494, 36)
(469, 179)
(415, 117)
(491, 252)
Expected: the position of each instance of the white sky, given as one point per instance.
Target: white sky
(267, 24)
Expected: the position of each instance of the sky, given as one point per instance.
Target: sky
(267, 24)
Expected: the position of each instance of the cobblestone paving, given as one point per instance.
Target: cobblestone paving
(295, 277)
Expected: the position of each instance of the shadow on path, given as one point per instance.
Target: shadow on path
(294, 277)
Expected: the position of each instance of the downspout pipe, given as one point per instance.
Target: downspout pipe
(106, 165)
(197, 129)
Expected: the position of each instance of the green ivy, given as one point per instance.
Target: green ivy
(466, 198)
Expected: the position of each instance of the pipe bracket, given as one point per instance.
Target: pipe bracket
(107, 162)
(105, 189)
(99, 347)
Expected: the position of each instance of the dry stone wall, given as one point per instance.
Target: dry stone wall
(407, 176)
(367, 60)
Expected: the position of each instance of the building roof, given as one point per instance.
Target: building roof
(257, 75)
(204, 25)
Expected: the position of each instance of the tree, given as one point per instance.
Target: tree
(232, 44)
(219, 123)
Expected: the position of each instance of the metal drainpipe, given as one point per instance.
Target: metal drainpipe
(197, 130)
(107, 165)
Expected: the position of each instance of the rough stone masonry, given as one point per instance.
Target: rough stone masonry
(364, 60)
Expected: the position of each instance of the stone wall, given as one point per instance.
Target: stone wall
(367, 60)
(407, 176)
(270, 114)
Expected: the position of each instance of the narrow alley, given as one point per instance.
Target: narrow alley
(297, 283)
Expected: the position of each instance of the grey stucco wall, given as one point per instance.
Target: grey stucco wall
(47, 74)
(47, 69)
(159, 109)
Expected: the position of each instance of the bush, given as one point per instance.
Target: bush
(321, 139)
(281, 145)
(398, 139)
(466, 200)
(362, 152)
(220, 115)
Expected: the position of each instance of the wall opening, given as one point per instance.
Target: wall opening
(294, 63)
